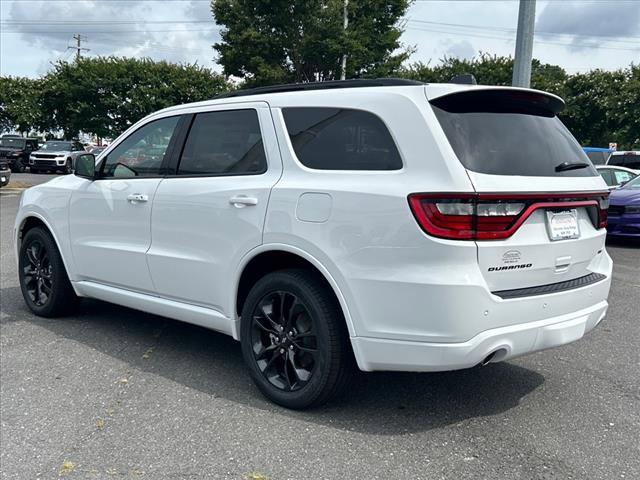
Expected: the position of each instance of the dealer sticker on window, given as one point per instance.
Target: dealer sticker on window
(563, 225)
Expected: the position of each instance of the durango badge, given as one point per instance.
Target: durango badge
(510, 267)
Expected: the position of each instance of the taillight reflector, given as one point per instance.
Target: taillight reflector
(489, 216)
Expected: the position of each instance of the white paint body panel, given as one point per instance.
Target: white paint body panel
(411, 301)
(199, 237)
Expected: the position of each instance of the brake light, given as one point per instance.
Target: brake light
(489, 216)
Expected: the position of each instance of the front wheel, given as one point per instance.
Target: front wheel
(45, 285)
(68, 167)
(294, 339)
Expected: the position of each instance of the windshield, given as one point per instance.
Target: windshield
(13, 142)
(57, 146)
(633, 184)
(510, 133)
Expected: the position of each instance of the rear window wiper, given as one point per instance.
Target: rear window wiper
(564, 166)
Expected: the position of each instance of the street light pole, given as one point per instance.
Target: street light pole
(345, 24)
(524, 44)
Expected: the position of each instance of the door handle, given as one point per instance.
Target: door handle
(241, 201)
(137, 197)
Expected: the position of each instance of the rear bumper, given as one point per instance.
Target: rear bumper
(506, 342)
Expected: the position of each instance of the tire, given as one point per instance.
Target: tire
(68, 167)
(34, 170)
(45, 285)
(306, 363)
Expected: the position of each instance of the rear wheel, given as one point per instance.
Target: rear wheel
(45, 285)
(294, 339)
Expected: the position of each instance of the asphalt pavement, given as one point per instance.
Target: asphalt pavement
(115, 393)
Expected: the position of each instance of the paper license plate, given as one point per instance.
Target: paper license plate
(563, 225)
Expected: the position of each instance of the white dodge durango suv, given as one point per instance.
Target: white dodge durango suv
(387, 224)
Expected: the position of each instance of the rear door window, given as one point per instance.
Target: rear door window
(510, 133)
(341, 139)
(224, 143)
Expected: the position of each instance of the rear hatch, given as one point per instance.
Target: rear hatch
(539, 208)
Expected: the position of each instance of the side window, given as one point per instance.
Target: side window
(607, 177)
(224, 143)
(341, 139)
(141, 153)
(622, 176)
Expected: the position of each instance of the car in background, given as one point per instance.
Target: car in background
(16, 151)
(629, 159)
(624, 211)
(96, 150)
(5, 172)
(56, 155)
(615, 176)
(598, 155)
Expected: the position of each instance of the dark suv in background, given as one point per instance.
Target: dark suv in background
(16, 151)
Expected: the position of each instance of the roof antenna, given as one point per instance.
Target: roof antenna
(464, 79)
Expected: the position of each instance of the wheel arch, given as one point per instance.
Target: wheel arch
(270, 258)
(32, 220)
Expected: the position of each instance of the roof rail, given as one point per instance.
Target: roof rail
(297, 87)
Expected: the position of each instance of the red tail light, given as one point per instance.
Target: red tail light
(491, 216)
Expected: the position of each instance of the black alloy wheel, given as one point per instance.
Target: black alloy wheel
(45, 286)
(285, 345)
(294, 339)
(37, 273)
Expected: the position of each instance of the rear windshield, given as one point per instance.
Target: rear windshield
(510, 133)
(628, 160)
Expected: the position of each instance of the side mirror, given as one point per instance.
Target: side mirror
(86, 166)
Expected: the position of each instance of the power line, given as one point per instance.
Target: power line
(513, 30)
(482, 35)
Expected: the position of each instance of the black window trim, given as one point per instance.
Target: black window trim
(363, 171)
(165, 161)
(174, 165)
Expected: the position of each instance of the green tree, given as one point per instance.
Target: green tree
(20, 104)
(488, 70)
(106, 95)
(277, 41)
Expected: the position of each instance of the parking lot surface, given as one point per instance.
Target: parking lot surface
(115, 393)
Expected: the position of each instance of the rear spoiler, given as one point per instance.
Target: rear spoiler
(461, 99)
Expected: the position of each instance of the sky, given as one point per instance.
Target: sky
(579, 35)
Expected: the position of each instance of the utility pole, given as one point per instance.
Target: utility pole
(524, 44)
(345, 24)
(78, 48)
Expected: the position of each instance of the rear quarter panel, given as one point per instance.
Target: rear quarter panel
(369, 242)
